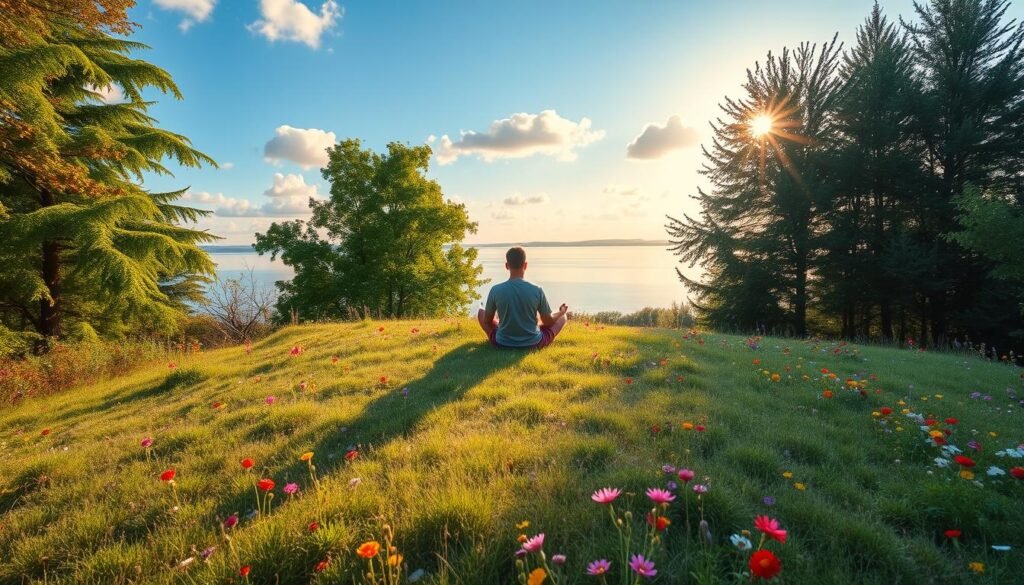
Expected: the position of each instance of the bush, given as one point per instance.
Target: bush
(678, 316)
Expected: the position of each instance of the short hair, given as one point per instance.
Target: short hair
(515, 257)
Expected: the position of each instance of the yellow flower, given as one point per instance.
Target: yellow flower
(876, 413)
(993, 434)
(968, 475)
(935, 433)
(938, 397)
(977, 567)
(687, 426)
(901, 403)
(799, 486)
(787, 474)
(537, 576)
(905, 411)
(394, 560)
(306, 456)
(924, 398)
(899, 429)
(523, 525)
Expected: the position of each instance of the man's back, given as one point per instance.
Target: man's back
(517, 303)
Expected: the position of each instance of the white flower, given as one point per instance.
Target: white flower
(1001, 547)
(942, 462)
(741, 542)
(995, 471)
(950, 449)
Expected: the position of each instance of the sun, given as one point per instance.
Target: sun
(761, 125)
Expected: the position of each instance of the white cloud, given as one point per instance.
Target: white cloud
(621, 190)
(520, 135)
(110, 94)
(518, 199)
(227, 166)
(288, 197)
(305, 147)
(502, 216)
(194, 10)
(657, 141)
(291, 20)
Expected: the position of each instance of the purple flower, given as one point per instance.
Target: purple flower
(558, 559)
(700, 488)
(207, 552)
(534, 544)
(671, 485)
(660, 496)
(290, 488)
(642, 566)
(521, 553)
(975, 395)
(599, 567)
(974, 445)
(231, 521)
(768, 500)
(668, 469)
(987, 398)
(685, 475)
(405, 391)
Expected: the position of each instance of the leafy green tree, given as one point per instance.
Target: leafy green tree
(769, 170)
(79, 237)
(385, 242)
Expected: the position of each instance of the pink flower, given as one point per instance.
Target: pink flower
(686, 475)
(660, 496)
(534, 544)
(231, 521)
(558, 560)
(771, 527)
(642, 566)
(146, 443)
(599, 567)
(606, 495)
(270, 399)
(296, 350)
(290, 488)
(700, 488)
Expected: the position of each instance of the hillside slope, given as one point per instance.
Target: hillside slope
(451, 444)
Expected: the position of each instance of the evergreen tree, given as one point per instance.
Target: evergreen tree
(769, 167)
(79, 236)
(378, 244)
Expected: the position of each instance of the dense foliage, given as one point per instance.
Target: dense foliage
(85, 249)
(385, 244)
(848, 215)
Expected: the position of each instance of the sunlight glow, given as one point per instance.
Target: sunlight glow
(761, 125)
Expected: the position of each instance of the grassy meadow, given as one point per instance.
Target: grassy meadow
(422, 429)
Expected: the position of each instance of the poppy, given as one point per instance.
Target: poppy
(265, 484)
(659, 524)
(351, 454)
(368, 549)
(951, 421)
(319, 568)
(765, 564)
(244, 571)
(827, 394)
(247, 463)
(313, 527)
(952, 533)
(168, 475)
(1017, 472)
(964, 461)
(306, 456)
(885, 410)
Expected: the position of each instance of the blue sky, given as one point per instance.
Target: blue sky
(552, 94)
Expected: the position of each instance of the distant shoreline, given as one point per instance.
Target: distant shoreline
(243, 248)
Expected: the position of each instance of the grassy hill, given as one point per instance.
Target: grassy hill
(421, 429)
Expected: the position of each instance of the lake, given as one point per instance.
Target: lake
(587, 278)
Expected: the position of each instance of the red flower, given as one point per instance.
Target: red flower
(951, 421)
(699, 428)
(380, 329)
(383, 379)
(765, 564)
(660, 524)
(351, 454)
(247, 463)
(167, 475)
(771, 527)
(952, 533)
(1017, 472)
(939, 440)
(655, 429)
(930, 422)
(885, 410)
(265, 484)
(45, 432)
(319, 568)
(629, 381)
(244, 571)
(313, 527)
(964, 461)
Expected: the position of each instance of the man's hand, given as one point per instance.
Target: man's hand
(549, 320)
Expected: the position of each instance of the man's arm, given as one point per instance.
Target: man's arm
(549, 319)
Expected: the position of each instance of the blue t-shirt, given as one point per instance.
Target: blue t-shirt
(517, 303)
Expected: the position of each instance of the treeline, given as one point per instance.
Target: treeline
(874, 191)
(677, 316)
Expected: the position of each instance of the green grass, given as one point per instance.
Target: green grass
(486, 439)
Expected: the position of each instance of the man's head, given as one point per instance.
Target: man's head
(515, 259)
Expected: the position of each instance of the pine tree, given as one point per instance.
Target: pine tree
(80, 237)
(769, 170)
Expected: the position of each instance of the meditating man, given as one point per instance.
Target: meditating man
(509, 318)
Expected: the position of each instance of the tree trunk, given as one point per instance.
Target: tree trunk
(50, 310)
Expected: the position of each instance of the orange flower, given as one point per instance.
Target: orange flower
(827, 394)
(265, 484)
(687, 426)
(368, 549)
(350, 455)
(776, 377)
(306, 456)
(537, 576)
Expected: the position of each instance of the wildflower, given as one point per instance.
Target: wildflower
(687, 426)
(606, 495)
(368, 549)
(265, 484)
(521, 553)
(168, 475)
(244, 571)
(558, 560)
(768, 500)
(659, 524)
(668, 469)
(395, 560)
(787, 474)
(534, 544)
(355, 481)
(741, 542)
(537, 576)
(208, 552)
(247, 463)
(699, 428)
(334, 359)
(642, 566)
(964, 461)
(217, 405)
(146, 443)
(629, 381)
(599, 567)
(974, 445)
(1017, 472)
(700, 488)
(671, 485)
(313, 526)
(660, 496)
(952, 533)
(951, 421)
(885, 410)
(771, 527)
(827, 394)
(351, 454)
(799, 486)
(523, 525)
(776, 377)
(290, 488)
(321, 566)
(296, 350)
(965, 474)
(765, 564)
(306, 456)
(270, 399)
(1001, 547)
(383, 380)
(231, 521)
(994, 471)
(978, 568)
